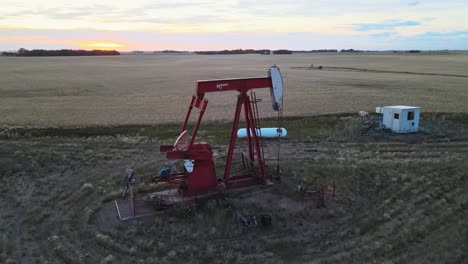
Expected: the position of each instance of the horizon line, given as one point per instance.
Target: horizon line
(216, 50)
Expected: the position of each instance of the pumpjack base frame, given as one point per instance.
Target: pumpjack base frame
(136, 207)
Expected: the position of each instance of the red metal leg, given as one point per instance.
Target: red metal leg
(197, 126)
(249, 130)
(187, 116)
(232, 142)
(257, 144)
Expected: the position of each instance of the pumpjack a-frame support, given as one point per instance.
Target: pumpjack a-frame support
(202, 179)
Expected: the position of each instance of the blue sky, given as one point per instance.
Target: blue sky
(386, 25)
(206, 25)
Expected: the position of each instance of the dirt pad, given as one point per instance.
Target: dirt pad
(397, 202)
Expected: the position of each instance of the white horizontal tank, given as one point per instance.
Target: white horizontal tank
(268, 132)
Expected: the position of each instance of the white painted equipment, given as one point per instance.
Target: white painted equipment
(267, 132)
(188, 164)
(276, 88)
(400, 118)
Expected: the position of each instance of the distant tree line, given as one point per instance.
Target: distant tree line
(409, 51)
(350, 50)
(63, 52)
(328, 51)
(229, 52)
(282, 51)
(242, 51)
(171, 51)
(316, 51)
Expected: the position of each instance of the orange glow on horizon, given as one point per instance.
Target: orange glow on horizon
(105, 45)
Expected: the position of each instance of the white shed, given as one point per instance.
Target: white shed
(400, 118)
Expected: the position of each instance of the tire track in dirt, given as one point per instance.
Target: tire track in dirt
(18, 237)
(4, 247)
(352, 69)
(415, 190)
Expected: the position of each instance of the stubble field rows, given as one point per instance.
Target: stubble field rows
(151, 89)
(401, 198)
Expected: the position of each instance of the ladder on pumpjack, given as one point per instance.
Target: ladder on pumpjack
(254, 101)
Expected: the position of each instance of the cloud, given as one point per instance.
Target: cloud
(452, 34)
(299, 24)
(386, 25)
(150, 40)
(382, 35)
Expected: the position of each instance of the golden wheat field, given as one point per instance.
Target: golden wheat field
(148, 89)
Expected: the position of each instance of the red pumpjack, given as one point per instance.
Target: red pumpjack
(202, 179)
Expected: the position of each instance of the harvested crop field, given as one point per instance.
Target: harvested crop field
(152, 89)
(69, 127)
(400, 198)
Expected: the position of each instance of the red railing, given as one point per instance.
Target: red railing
(318, 192)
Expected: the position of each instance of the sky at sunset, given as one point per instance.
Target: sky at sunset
(213, 25)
